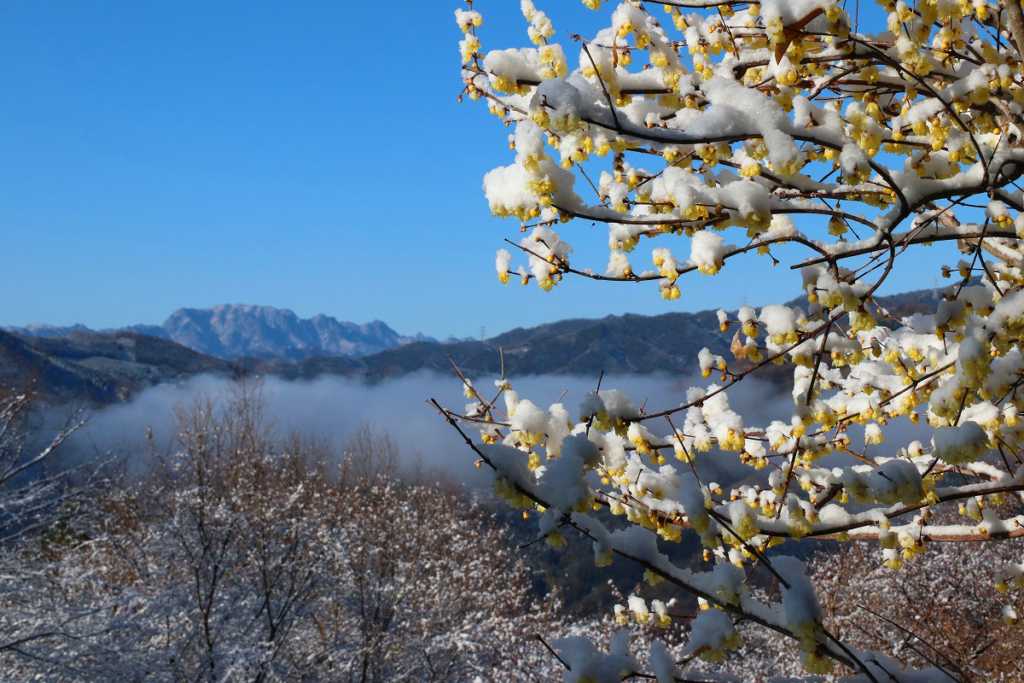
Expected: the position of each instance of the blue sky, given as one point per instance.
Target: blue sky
(306, 155)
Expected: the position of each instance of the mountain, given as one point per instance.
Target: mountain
(627, 344)
(48, 331)
(111, 366)
(105, 367)
(92, 367)
(232, 331)
(235, 330)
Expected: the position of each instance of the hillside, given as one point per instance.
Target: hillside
(110, 366)
(97, 368)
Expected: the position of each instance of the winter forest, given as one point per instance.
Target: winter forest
(868, 528)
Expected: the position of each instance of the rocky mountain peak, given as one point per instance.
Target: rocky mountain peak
(231, 331)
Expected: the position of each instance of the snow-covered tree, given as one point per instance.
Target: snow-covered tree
(37, 491)
(935, 610)
(835, 139)
(246, 557)
(45, 503)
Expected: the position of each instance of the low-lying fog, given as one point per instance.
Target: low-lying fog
(333, 408)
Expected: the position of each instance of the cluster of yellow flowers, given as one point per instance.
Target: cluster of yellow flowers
(723, 122)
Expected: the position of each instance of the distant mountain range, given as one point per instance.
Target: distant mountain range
(102, 367)
(235, 330)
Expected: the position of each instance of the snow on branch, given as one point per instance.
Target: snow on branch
(717, 132)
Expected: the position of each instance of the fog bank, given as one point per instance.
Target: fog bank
(334, 407)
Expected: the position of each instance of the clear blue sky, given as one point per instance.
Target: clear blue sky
(311, 155)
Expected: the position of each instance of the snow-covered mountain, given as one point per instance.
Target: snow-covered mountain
(235, 330)
(48, 331)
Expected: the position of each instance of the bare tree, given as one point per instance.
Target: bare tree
(34, 489)
(242, 557)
